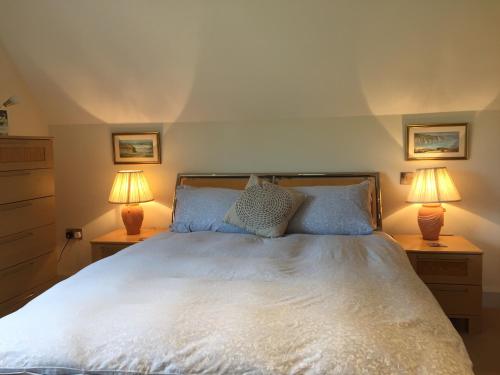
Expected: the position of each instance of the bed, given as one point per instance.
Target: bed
(231, 303)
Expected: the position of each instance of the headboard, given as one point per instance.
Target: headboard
(239, 180)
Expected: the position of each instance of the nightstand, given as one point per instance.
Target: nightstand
(452, 273)
(117, 240)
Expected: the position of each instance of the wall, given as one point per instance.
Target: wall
(85, 170)
(158, 61)
(283, 85)
(25, 118)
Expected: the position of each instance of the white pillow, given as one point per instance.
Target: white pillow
(203, 209)
(334, 210)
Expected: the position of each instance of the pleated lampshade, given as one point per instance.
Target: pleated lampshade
(433, 185)
(130, 187)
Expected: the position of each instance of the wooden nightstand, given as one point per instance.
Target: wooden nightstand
(452, 273)
(117, 240)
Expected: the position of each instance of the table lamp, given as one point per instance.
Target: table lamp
(432, 186)
(131, 188)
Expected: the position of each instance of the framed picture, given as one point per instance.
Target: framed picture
(4, 123)
(437, 142)
(136, 148)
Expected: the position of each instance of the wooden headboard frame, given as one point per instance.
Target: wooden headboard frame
(239, 180)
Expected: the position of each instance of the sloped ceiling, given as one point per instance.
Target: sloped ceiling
(124, 61)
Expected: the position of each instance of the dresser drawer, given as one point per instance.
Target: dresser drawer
(100, 251)
(448, 268)
(20, 300)
(18, 154)
(22, 277)
(23, 185)
(458, 299)
(19, 247)
(21, 216)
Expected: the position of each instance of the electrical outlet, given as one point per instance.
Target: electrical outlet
(406, 178)
(74, 233)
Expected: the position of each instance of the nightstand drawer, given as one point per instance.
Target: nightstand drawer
(117, 240)
(106, 250)
(462, 269)
(458, 299)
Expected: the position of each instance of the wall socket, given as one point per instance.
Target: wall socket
(406, 178)
(74, 233)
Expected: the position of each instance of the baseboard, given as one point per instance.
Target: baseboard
(491, 300)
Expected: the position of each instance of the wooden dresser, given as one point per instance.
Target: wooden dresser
(28, 263)
(453, 273)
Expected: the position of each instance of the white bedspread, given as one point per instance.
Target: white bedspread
(231, 303)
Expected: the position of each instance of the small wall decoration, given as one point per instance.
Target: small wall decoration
(137, 148)
(437, 142)
(4, 122)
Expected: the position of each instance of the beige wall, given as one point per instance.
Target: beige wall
(228, 74)
(25, 117)
(138, 61)
(85, 171)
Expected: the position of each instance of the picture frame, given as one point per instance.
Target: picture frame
(136, 148)
(437, 142)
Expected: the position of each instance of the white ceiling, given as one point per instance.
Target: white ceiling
(126, 61)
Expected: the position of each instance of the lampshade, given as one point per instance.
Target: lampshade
(130, 187)
(433, 185)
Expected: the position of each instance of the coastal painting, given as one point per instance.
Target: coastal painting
(136, 148)
(442, 141)
(436, 142)
(142, 148)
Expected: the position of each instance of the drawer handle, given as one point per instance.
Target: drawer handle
(15, 238)
(461, 290)
(14, 174)
(109, 249)
(27, 298)
(10, 207)
(443, 260)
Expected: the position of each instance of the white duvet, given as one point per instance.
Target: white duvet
(209, 303)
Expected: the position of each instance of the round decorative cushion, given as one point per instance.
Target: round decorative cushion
(264, 206)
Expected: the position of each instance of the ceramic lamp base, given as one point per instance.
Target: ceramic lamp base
(132, 215)
(430, 221)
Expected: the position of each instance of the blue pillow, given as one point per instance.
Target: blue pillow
(334, 210)
(203, 209)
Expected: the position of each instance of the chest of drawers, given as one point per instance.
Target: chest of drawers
(27, 220)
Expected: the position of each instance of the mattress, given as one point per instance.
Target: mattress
(207, 303)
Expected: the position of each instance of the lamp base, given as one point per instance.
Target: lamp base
(132, 216)
(430, 221)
